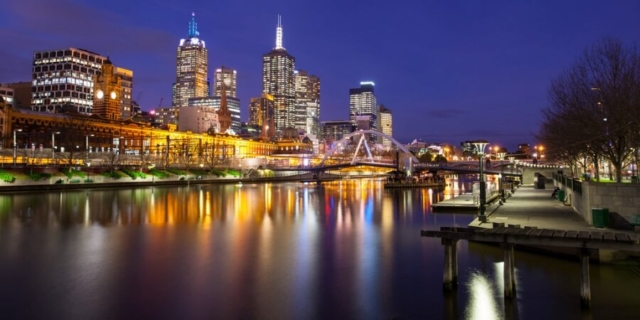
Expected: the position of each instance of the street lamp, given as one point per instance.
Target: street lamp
(480, 145)
(15, 146)
(86, 148)
(500, 181)
(53, 145)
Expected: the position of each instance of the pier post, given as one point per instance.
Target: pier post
(509, 272)
(450, 270)
(585, 284)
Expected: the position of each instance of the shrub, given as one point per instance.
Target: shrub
(217, 173)
(177, 172)
(199, 172)
(6, 176)
(111, 174)
(234, 173)
(38, 176)
(159, 173)
(134, 174)
(72, 172)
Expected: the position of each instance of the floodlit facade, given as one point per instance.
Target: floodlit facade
(200, 119)
(233, 104)
(385, 124)
(126, 82)
(223, 74)
(191, 69)
(107, 88)
(261, 114)
(307, 106)
(64, 78)
(278, 80)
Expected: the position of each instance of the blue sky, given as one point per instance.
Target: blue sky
(449, 70)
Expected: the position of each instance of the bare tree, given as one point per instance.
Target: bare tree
(590, 107)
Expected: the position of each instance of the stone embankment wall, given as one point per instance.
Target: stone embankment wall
(620, 198)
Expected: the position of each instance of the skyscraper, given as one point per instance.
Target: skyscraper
(191, 68)
(64, 78)
(362, 102)
(278, 80)
(385, 124)
(223, 73)
(307, 106)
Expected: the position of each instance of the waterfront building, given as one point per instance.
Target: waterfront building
(228, 78)
(199, 119)
(362, 102)
(191, 69)
(233, 105)
(278, 80)
(64, 78)
(385, 124)
(126, 85)
(21, 93)
(107, 88)
(307, 104)
(261, 114)
(8, 96)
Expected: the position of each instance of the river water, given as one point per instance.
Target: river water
(342, 250)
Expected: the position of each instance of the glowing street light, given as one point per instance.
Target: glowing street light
(480, 145)
(15, 146)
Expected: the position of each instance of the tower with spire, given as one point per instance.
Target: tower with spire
(191, 68)
(278, 80)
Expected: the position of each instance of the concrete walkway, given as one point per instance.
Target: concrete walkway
(531, 207)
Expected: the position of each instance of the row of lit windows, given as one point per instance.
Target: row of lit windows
(60, 53)
(45, 75)
(48, 81)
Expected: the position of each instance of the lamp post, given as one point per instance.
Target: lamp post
(500, 181)
(15, 146)
(480, 145)
(86, 149)
(53, 145)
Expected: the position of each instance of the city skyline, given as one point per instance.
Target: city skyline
(439, 67)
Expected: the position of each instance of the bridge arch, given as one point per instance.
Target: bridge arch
(363, 143)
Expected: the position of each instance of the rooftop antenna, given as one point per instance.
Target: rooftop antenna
(279, 34)
(193, 27)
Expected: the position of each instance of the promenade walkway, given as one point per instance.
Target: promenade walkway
(529, 207)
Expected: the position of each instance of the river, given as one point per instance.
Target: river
(343, 250)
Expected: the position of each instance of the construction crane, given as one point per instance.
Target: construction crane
(160, 104)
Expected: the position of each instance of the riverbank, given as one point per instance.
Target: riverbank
(530, 207)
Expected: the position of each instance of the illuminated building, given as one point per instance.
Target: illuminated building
(278, 81)
(385, 125)
(64, 78)
(8, 96)
(107, 88)
(191, 69)
(223, 74)
(233, 104)
(307, 106)
(362, 102)
(126, 82)
(261, 114)
(336, 130)
(199, 119)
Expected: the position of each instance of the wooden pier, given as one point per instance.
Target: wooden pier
(510, 236)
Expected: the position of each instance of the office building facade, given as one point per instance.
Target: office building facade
(191, 68)
(385, 124)
(126, 85)
(261, 114)
(233, 105)
(228, 78)
(64, 78)
(363, 102)
(278, 80)
(307, 106)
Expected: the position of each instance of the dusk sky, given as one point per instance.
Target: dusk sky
(449, 70)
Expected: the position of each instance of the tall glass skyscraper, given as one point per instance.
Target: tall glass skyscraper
(363, 104)
(385, 124)
(225, 74)
(191, 68)
(278, 80)
(307, 108)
